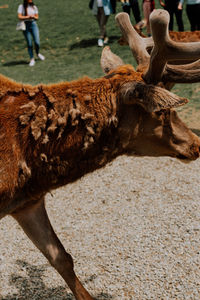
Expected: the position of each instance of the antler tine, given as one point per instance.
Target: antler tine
(192, 66)
(136, 43)
(165, 49)
(188, 73)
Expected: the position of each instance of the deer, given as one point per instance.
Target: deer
(185, 36)
(177, 36)
(53, 134)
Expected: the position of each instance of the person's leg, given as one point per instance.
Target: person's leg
(179, 20)
(136, 10)
(190, 14)
(126, 8)
(103, 21)
(171, 14)
(193, 13)
(28, 37)
(98, 17)
(36, 36)
(113, 4)
(146, 12)
(197, 16)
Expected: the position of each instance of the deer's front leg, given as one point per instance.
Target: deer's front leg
(35, 223)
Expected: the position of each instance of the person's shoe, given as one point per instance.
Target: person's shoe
(106, 39)
(100, 42)
(140, 25)
(32, 62)
(41, 57)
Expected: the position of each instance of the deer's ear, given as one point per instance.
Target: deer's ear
(151, 98)
(109, 61)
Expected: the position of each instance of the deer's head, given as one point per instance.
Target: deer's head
(148, 123)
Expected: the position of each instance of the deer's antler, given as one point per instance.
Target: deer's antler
(137, 44)
(188, 73)
(165, 49)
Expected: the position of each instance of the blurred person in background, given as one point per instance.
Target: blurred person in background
(193, 13)
(174, 7)
(128, 5)
(148, 7)
(28, 12)
(102, 10)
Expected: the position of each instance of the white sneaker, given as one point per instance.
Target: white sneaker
(100, 42)
(41, 57)
(106, 39)
(32, 62)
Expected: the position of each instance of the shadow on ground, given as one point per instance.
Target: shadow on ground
(91, 42)
(15, 63)
(32, 286)
(196, 131)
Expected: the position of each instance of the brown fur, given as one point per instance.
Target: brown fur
(185, 36)
(53, 134)
(51, 119)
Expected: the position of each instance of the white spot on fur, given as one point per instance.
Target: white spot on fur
(10, 100)
(43, 157)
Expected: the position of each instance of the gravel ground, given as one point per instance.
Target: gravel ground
(133, 230)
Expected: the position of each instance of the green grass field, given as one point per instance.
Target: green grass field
(68, 33)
